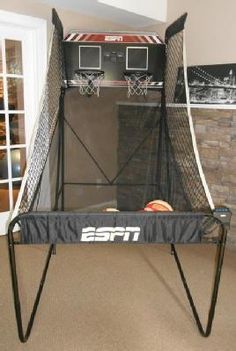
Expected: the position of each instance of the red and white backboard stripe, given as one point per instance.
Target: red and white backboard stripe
(113, 38)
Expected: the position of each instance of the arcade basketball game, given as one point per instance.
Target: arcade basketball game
(120, 155)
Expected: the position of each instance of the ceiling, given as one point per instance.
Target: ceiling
(134, 13)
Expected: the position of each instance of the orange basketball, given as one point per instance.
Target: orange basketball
(158, 205)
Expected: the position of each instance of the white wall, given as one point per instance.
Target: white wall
(71, 20)
(210, 29)
(156, 9)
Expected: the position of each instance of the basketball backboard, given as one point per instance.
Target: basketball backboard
(114, 54)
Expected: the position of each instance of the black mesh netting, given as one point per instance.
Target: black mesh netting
(181, 179)
(110, 150)
(47, 121)
(95, 152)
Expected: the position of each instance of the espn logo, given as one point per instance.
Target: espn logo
(113, 38)
(110, 234)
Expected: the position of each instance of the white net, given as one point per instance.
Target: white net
(137, 82)
(89, 82)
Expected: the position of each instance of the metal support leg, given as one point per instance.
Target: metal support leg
(54, 249)
(11, 245)
(219, 263)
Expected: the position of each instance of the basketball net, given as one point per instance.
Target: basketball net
(89, 82)
(137, 82)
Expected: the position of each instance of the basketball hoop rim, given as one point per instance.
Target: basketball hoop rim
(95, 72)
(138, 74)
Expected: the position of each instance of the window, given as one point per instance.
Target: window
(20, 88)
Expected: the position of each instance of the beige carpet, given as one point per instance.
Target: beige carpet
(118, 298)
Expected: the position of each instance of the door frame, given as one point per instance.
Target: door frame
(34, 45)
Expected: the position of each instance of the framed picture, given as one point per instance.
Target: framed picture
(209, 84)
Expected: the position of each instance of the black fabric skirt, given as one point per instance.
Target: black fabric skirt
(118, 227)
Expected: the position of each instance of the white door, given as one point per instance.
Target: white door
(19, 97)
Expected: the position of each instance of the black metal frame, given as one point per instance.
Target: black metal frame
(23, 336)
(219, 262)
(52, 247)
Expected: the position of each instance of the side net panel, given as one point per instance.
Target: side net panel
(45, 126)
(186, 186)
